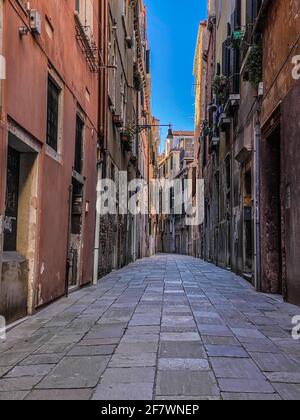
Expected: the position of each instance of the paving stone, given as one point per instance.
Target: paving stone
(182, 350)
(92, 351)
(144, 321)
(60, 395)
(274, 362)
(250, 397)
(221, 341)
(34, 370)
(288, 392)
(137, 348)
(128, 375)
(153, 329)
(124, 392)
(179, 329)
(291, 346)
(214, 330)
(183, 364)
(65, 339)
(246, 333)
(13, 395)
(246, 386)
(18, 384)
(284, 377)
(4, 370)
(42, 359)
(186, 383)
(180, 337)
(133, 360)
(226, 351)
(175, 321)
(141, 338)
(235, 368)
(11, 359)
(262, 347)
(186, 398)
(50, 348)
(75, 372)
(106, 331)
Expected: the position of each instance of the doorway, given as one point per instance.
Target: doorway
(248, 225)
(75, 234)
(272, 212)
(20, 227)
(12, 200)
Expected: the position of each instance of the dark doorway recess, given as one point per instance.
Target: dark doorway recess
(12, 200)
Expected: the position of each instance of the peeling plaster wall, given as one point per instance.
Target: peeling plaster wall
(13, 287)
(28, 61)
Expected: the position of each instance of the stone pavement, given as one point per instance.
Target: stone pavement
(168, 327)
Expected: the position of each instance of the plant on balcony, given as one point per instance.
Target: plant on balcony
(137, 78)
(253, 66)
(126, 138)
(220, 88)
(237, 38)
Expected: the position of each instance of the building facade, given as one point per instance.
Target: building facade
(230, 131)
(176, 164)
(73, 113)
(125, 147)
(247, 125)
(49, 132)
(279, 153)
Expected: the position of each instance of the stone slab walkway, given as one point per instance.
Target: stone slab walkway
(168, 327)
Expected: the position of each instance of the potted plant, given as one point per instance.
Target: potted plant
(220, 88)
(126, 138)
(253, 67)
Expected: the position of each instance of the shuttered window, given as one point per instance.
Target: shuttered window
(52, 114)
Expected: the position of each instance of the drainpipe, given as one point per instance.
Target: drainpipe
(3, 135)
(257, 139)
(102, 122)
(97, 228)
(69, 258)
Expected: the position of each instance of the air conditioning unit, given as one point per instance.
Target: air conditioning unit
(35, 22)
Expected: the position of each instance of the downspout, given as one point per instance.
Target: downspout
(97, 226)
(3, 132)
(102, 134)
(69, 257)
(257, 137)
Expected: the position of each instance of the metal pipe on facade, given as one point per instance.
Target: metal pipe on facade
(257, 139)
(102, 123)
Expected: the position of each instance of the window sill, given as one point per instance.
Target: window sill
(12, 256)
(53, 154)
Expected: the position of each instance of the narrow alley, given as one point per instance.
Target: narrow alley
(168, 327)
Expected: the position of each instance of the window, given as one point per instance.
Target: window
(52, 114)
(172, 163)
(79, 145)
(84, 9)
(172, 198)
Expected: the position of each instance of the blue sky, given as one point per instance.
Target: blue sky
(172, 32)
